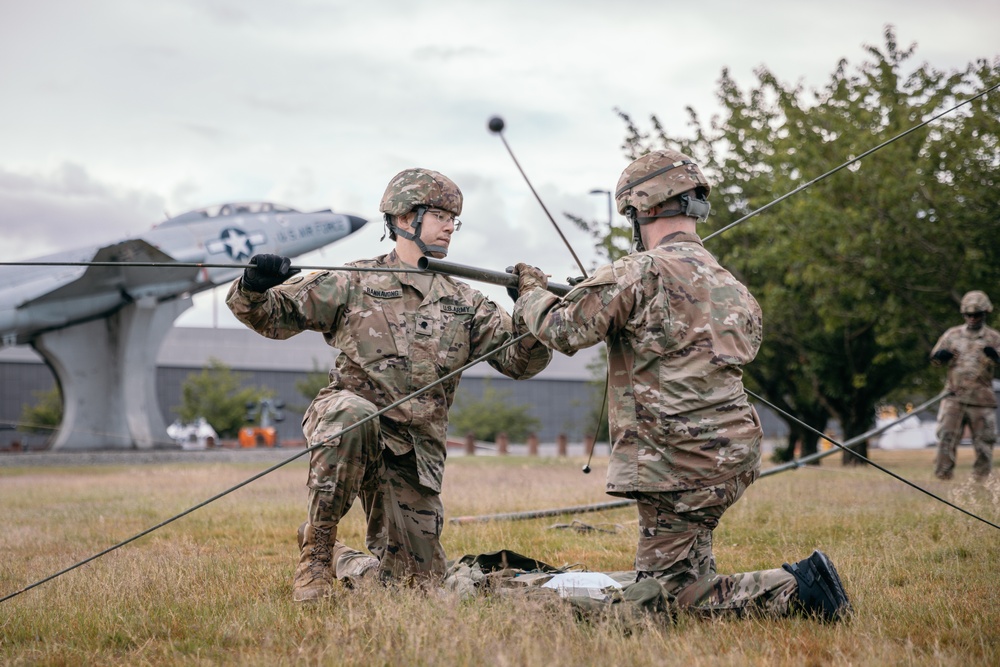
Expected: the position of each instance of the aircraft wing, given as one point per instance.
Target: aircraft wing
(129, 280)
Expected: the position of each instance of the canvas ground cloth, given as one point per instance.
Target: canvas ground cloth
(507, 572)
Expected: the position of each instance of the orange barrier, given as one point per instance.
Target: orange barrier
(257, 436)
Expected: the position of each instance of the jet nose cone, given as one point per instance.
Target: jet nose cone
(356, 222)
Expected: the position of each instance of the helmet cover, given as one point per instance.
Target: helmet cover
(976, 301)
(657, 177)
(411, 188)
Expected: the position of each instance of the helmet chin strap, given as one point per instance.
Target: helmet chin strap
(414, 236)
(633, 216)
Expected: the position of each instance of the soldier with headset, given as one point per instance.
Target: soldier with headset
(685, 438)
(397, 332)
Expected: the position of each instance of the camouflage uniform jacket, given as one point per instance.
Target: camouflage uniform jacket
(394, 340)
(970, 371)
(679, 328)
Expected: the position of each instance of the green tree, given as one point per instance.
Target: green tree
(45, 415)
(217, 395)
(490, 415)
(858, 274)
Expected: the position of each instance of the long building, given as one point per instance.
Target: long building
(562, 397)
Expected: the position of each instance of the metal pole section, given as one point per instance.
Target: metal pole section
(537, 514)
(481, 275)
(599, 191)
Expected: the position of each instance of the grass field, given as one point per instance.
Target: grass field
(215, 586)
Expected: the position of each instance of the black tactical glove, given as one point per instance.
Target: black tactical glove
(991, 352)
(943, 356)
(266, 271)
(512, 291)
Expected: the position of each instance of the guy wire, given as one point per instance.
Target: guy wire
(476, 361)
(791, 465)
(850, 162)
(544, 208)
(870, 462)
(271, 469)
(204, 265)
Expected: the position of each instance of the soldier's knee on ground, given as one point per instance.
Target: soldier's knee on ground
(351, 566)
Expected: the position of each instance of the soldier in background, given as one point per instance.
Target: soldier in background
(397, 333)
(970, 351)
(686, 441)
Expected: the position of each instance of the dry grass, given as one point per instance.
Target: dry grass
(214, 587)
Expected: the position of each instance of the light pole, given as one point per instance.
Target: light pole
(598, 191)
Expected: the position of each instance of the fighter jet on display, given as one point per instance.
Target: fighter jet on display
(100, 327)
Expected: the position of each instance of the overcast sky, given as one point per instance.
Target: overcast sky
(115, 112)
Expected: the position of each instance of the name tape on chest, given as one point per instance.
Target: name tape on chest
(384, 293)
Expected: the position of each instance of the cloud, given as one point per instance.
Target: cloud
(119, 109)
(433, 52)
(44, 213)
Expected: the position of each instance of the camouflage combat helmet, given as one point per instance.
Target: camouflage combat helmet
(976, 301)
(419, 189)
(656, 177)
(411, 188)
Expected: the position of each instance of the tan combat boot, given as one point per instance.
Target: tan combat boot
(314, 574)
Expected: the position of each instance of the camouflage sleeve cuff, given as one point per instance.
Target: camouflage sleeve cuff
(526, 301)
(250, 295)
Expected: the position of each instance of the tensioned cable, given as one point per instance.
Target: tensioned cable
(496, 125)
(806, 460)
(586, 467)
(760, 210)
(851, 161)
(613, 504)
(204, 265)
(509, 343)
(870, 462)
(713, 234)
(267, 471)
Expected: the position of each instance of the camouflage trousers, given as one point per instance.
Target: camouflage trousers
(404, 518)
(675, 547)
(951, 420)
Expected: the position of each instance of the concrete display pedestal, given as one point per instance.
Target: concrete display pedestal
(106, 370)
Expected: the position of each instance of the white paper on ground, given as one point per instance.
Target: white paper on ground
(581, 584)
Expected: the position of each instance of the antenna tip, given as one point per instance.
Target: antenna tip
(496, 124)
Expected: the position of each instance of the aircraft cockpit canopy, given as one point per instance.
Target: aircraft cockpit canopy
(231, 208)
